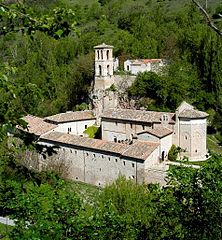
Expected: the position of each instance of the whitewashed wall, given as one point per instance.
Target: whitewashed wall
(77, 128)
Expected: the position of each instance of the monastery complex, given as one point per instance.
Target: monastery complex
(134, 143)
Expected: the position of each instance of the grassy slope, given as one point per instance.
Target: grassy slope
(213, 144)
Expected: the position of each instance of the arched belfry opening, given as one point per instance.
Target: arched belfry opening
(104, 61)
(98, 54)
(107, 54)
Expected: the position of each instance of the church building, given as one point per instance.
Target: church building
(134, 143)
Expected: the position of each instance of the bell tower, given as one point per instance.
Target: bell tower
(104, 65)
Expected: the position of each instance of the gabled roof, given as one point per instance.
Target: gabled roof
(137, 115)
(71, 117)
(138, 150)
(159, 132)
(185, 110)
(103, 45)
(144, 61)
(37, 125)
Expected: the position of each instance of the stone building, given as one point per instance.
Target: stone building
(134, 143)
(105, 65)
(72, 122)
(100, 162)
(142, 65)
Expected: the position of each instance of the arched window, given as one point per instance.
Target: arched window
(100, 70)
(101, 54)
(107, 54)
(98, 54)
(108, 70)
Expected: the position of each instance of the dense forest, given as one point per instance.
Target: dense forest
(47, 66)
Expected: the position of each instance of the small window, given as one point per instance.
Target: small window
(131, 125)
(109, 158)
(143, 127)
(133, 177)
(63, 149)
(128, 68)
(185, 137)
(116, 123)
(115, 139)
(71, 151)
(116, 160)
(70, 129)
(100, 169)
(133, 164)
(85, 126)
(75, 152)
(94, 155)
(87, 154)
(124, 163)
(102, 156)
(77, 178)
(196, 150)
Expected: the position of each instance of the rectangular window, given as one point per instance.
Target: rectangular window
(143, 127)
(116, 160)
(94, 155)
(131, 125)
(85, 126)
(133, 165)
(124, 163)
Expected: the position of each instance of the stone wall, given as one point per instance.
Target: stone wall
(92, 166)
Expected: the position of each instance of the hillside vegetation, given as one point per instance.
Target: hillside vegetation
(46, 59)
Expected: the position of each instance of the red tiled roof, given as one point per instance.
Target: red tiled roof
(37, 125)
(71, 116)
(137, 115)
(139, 150)
(145, 61)
(158, 132)
(186, 110)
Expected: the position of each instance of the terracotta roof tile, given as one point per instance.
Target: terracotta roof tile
(145, 61)
(139, 150)
(137, 115)
(158, 132)
(185, 110)
(192, 113)
(71, 116)
(37, 125)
